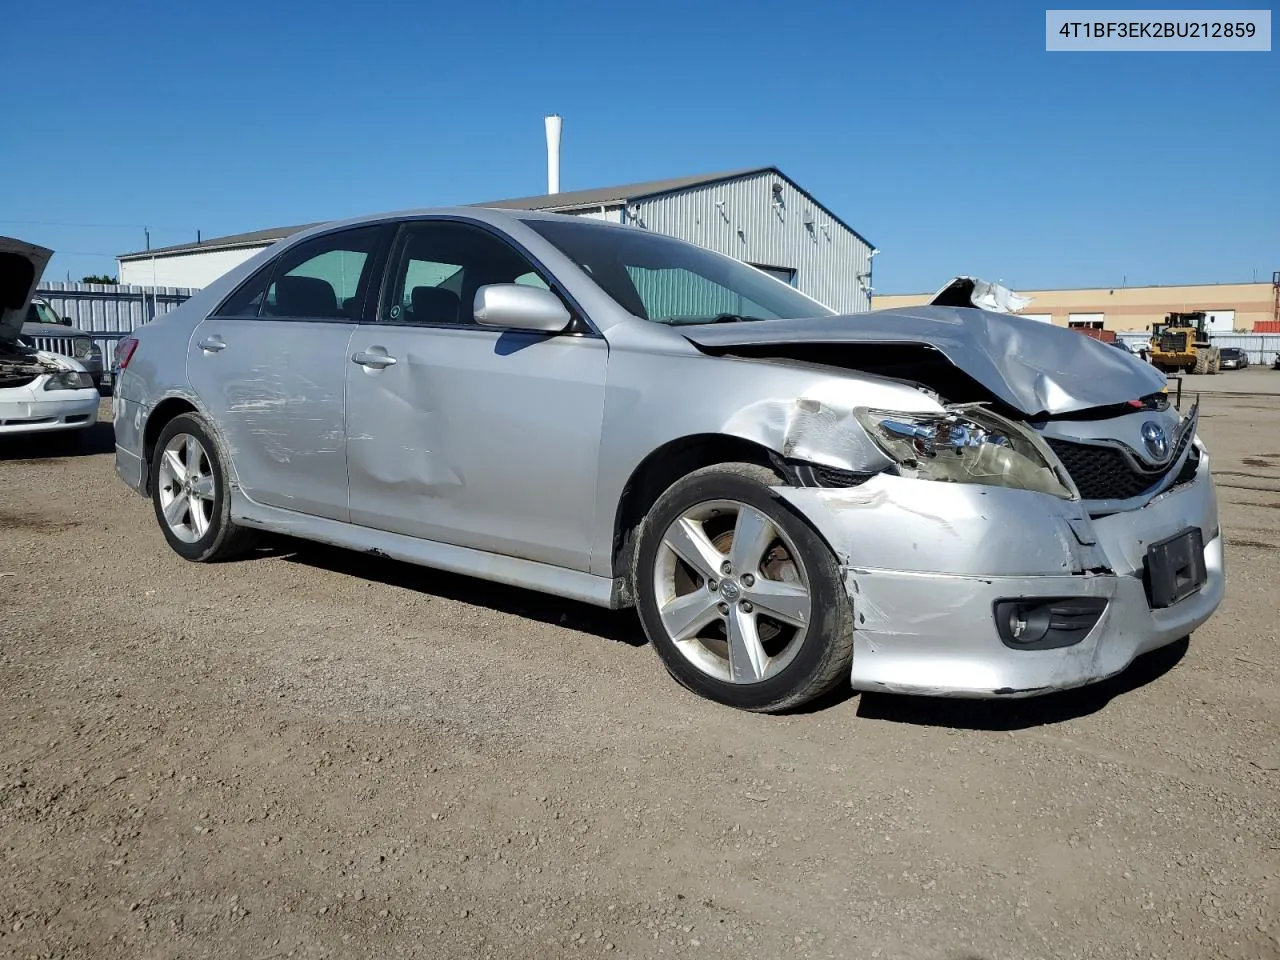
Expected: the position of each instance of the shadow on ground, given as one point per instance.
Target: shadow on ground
(90, 441)
(624, 627)
(621, 626)
(1020, 714)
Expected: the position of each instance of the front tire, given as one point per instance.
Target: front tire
(740, 597)
(191, 496)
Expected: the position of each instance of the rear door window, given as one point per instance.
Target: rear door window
(326, 278)
(248, 297)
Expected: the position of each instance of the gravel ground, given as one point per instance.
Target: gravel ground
(314, 753)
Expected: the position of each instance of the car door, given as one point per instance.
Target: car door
(471, 435)
(270, 368)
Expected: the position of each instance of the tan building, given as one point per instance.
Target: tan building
(1231, 306)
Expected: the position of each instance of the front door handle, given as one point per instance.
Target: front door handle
(375, 360)
(212, 344)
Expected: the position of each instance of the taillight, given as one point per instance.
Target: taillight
(124, 352)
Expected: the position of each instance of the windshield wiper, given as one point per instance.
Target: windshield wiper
(714, 318)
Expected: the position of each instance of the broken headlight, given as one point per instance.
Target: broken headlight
(963, 445)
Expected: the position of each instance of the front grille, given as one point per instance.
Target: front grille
(1173, 342)
(1102, 473)
(1190, 466)
(831, 477)
(820, 475)
(22, 380)
(28, 423)
(60, 345)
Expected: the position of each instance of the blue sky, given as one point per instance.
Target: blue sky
(943, 132)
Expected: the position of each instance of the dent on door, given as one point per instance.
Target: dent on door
(478, 438)
(395, 443)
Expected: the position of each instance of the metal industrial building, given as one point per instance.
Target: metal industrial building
(1231, 307)
(758, 215)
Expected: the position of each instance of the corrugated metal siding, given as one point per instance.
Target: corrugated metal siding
(106, 312)
(667, 293)
(831, 263)
(108, 307)
(111, 308)
(740, 218)
(1261, 347)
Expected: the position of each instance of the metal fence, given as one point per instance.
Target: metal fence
(1261, 348)
(110, 312)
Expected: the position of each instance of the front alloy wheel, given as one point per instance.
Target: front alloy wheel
(731, 591)
(738, 594)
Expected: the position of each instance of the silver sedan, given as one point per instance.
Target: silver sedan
(938, 500)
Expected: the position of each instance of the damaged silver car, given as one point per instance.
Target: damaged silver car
(937, 500)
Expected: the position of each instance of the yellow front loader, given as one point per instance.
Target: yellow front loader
(1181, 344)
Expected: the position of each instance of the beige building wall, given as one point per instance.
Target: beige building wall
(1133, 308)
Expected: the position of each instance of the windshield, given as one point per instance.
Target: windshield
(40, 312)
(668, 281)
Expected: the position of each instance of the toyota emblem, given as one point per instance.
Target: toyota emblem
(1155, 440)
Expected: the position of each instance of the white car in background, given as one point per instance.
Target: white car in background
(39, 391)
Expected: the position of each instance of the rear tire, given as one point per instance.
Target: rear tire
(1202, 363)
(740, 597)
(191, 495)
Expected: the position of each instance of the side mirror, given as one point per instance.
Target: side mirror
(66, 321)
(518, 307)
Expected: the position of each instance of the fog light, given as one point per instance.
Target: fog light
(1044, 623)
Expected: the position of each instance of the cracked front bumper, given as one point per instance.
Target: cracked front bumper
(925, 562)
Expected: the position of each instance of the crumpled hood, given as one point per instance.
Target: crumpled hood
(25, 363)
(21, 267)
(1035, 368)
(60, 361)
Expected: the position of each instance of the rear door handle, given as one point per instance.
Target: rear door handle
(375, 360)
(212, 345)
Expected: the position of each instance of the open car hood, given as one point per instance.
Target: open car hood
(21, 267)
(1035, 368)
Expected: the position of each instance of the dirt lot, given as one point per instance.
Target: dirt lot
(313, 753)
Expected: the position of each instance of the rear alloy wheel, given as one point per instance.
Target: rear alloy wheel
(190, 493)
(185, 488)
(740, 597)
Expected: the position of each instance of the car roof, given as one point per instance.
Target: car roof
(503, 219)
(492, 215)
